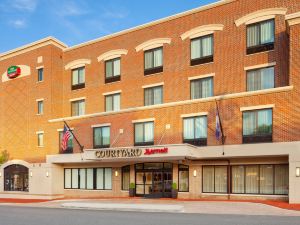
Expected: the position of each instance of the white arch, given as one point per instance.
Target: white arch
(202, 31)
(260, 15)
(77, 63)
(16, 161)
(153, 43)
(112, 54)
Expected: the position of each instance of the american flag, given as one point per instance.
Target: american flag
(67, 135)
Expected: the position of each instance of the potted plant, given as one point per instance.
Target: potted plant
(132, 190)
(174, 190)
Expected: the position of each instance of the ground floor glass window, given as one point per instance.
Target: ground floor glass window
(183, 178)
(214, 179)
(125, 177)
(16, 178)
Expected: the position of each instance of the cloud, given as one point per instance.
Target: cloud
(19, 23)
(70, 8)
(115, 15)
(24, 5)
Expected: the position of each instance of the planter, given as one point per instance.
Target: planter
(174, 193)
(131, 192)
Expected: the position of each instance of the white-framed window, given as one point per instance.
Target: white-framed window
(78, 78)
(260, 79)
(144, 133)
(153, 95)
(195, 130)
(202, 50)
(78, 108)
(153, 60)
(40, 107)
(40, 74)
(101, 137)
(202, 88)
(113, 102)
(40, 139)
(112, 70)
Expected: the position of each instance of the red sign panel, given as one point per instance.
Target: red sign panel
(153, 151)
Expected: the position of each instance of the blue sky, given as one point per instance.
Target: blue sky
(77, 21)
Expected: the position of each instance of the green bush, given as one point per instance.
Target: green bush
(174, 186)
(4, 156)
(132, 185)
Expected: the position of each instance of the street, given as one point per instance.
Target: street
(11, 215)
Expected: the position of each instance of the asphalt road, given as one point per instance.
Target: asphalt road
(45, 216)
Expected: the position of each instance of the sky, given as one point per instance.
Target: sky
(77, 21)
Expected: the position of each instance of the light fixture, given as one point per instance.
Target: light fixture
(195, 173)
(0, 174)
(47, 174)
(297, 171)
(116, 173)
(31, 174)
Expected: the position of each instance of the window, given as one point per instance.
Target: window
(40, 107)
(260, 179)
(144, 134)
(101, 137)
(40, 74)
(125, 178)
(153, 95)
(195, 130)
(88, 178)
(257, 126)
(70, 144)
(112, 70)
(40, 137)
(202, 88)
(78, 108)
(112, 102)
(260, 79)
(202, 50)
(78, 78)
(260, 36)
(153, 61)
(215, 179)
(183, 178)
(16, 178)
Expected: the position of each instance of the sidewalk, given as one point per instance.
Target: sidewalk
(168, 205)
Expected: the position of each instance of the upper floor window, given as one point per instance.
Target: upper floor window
(40, 137)
(153, 61)
(260, 79)
(40, 74)
(112, 70)
(195, 130)
(144, 133)
(101, 137)
(69, 144)
(153, 95)
(112, 102)
(202, 88)
(260, 36)
(78, 108)
(78, 78)
(257, 126)
(202, 50)
(40, 105)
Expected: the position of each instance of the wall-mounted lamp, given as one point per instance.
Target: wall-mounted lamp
(0, 174)
(297, 171)
(116, 173)
(31, 174)
(195, 173)
(47, 174)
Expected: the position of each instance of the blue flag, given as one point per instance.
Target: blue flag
(218, 126)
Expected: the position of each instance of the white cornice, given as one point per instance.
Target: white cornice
(112, 54)
(170, 104)
(77, 63)
(153, 43)
(260, 66)
(202, 31)
(256, 107)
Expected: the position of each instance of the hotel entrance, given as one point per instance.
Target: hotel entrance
(154, 180)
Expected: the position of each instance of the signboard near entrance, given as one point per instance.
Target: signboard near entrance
(118, 153)
(13, 72)
(153, 151)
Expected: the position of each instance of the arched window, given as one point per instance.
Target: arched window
(16, 178)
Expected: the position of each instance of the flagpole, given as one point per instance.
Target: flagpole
(223, 137)
(81, 146)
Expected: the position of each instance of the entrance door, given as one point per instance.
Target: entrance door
(153, 182)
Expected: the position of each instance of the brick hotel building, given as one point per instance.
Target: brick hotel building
(143, 103)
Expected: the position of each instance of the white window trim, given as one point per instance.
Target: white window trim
(61, 129)
(39, 67)
(77, 99)
(260, 14)
(101, 125)
(153, 43)
(202, 31)
(77, 64)
(257, 107)
(260, 66)
(153, 85)
(194, 114)
(112, 92)
(113, 54)
(39, 100)
(144, 120)
(40, 132)
(201, 76)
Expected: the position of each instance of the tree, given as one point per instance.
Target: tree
(4, 156)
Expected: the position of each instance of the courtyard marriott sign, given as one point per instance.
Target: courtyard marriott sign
(13, 72)
(127, 152)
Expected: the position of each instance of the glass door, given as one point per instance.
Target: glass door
(157, 189)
